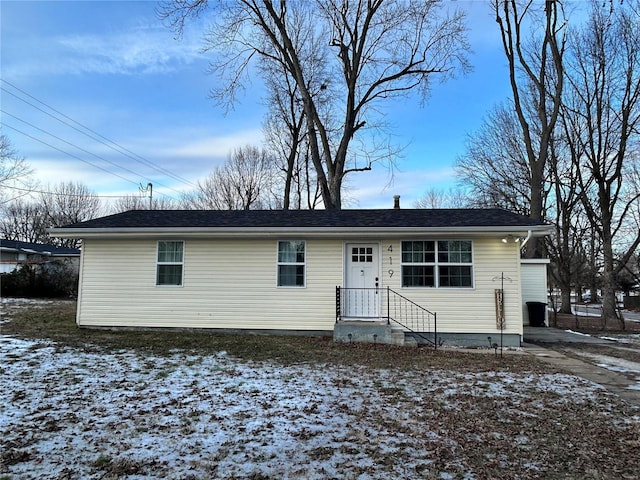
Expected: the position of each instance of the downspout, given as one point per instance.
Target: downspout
(529, 235)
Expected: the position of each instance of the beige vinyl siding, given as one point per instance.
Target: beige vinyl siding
(466, 310)
(231, 283)
(227, 284)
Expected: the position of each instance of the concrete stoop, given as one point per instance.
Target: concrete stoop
(370, 332)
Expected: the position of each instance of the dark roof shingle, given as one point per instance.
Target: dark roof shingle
(383, 218)
(41, 248)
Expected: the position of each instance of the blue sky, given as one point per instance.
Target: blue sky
(114, 68)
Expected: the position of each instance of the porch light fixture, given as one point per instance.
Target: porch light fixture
(509, 238)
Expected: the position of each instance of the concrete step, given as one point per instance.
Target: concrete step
(397, 337)
(372, 332)
(410, 341)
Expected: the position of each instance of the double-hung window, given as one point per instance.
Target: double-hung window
(291, 263)
(437, 263)
(170, 262)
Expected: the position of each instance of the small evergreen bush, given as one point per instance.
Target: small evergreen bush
(50, 280)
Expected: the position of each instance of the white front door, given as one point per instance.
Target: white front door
(361, 298)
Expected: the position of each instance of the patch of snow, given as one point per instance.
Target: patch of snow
(614, 364)
(578, 333)
(585, 311)
(615, 368)
(26, 301)
(70, 413)
(616, 339)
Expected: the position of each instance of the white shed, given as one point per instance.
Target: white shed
(534, 285)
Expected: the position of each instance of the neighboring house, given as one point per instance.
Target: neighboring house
(353, 273)
(14, 253)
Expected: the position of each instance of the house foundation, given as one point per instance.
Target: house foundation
(367, 332)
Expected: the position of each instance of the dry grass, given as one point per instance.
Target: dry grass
(360, 411)
(56, 322)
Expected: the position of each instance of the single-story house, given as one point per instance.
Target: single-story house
(14, 253)
(385, 275)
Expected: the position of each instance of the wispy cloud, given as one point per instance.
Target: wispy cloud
(188, 153)
(141, 51)
(215, 146)
(138, 50)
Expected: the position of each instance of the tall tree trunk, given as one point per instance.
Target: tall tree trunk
(538, 76)
(565, 298)
(533, 247)
(608, 289)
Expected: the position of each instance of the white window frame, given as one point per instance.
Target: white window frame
(437, 264)
(279, 264)
(159, 264)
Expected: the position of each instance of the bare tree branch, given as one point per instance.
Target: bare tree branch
(345, 58)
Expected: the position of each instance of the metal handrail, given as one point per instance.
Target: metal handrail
(417, 325)
(369, 302)
(410, 301)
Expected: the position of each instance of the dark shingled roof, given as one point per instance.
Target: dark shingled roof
(387, 218)
(41, 248)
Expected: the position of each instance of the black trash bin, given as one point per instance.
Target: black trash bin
(536, 313)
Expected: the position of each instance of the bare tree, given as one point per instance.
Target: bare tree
(25, 221)
(131, 202)
(346, 58)
(67, 203)
(437, 198)
(536, 71)
(15, 172)
(62, 204)
(603, 115)
(495, 165)
(285, 134)
(138, 202)
(496, 168)
(629, 276)
(565, 247)
(242, 183)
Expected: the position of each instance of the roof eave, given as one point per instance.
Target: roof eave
(342, 232)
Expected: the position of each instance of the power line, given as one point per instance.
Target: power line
(78, 158)
(67, 153)
(69, 143)
(81, 149)
(60, 194)
(101, 139)
(120, 148)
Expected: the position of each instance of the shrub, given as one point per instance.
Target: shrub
(51, 279)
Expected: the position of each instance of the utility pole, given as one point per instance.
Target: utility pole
(148, 188)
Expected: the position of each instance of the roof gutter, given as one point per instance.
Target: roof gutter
(342, 232)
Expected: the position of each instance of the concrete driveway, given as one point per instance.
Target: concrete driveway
(548, 335)
(561, 348)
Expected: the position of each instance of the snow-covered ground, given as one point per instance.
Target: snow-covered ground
(93, 413)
